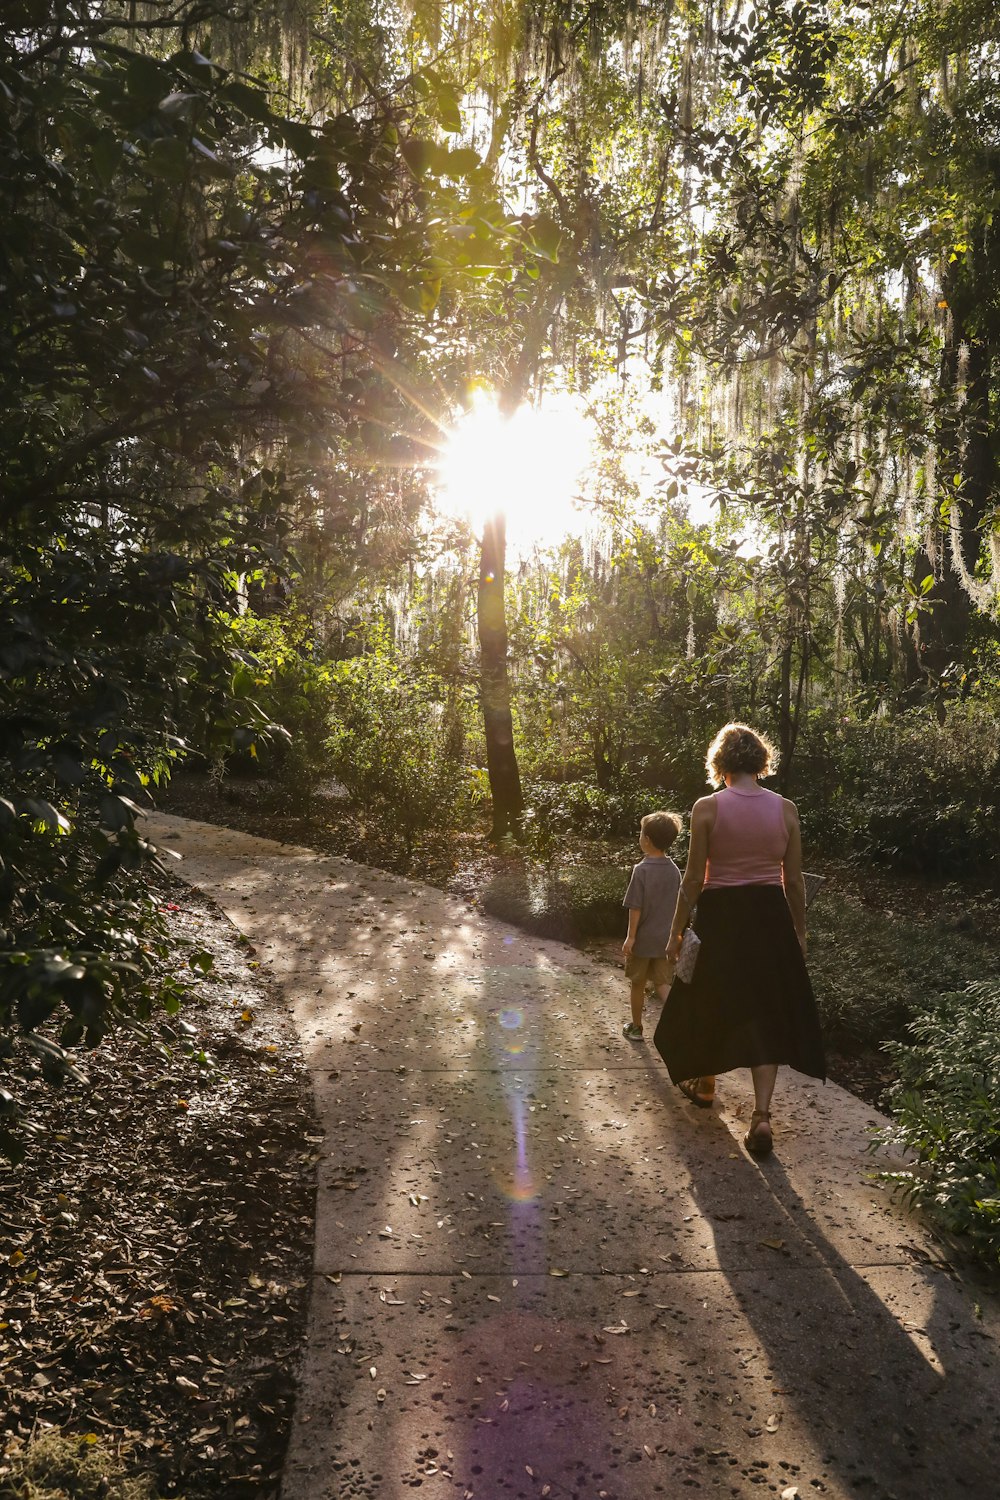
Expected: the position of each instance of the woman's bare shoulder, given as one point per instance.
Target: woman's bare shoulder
(704, 809)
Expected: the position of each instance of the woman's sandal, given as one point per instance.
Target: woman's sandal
(689, 1088)
(758, 1139)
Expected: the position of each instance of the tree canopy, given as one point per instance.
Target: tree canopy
(254, 260)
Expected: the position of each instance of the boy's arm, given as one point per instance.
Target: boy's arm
(634, 913)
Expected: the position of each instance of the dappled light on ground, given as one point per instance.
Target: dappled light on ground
(533, 1254)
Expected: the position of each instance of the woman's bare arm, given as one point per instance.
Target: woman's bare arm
(791, 872)
(702, 822)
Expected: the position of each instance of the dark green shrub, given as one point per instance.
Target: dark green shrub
(282, 672)
(946, 1108)
(397, 742)
(581, 810)
(570, 904)
(906, 791)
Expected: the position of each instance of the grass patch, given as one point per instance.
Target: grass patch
(55, 1467)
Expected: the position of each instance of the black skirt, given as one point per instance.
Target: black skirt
(749, 1000)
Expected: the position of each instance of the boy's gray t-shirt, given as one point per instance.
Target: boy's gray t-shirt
(653, 889)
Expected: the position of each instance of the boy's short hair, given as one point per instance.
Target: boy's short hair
(661, 828)
(737, 747)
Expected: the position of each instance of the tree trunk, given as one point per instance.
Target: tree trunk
(790, 708)
(942, 635)
(501, 760)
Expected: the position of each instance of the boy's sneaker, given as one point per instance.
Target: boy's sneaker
(631, 1032)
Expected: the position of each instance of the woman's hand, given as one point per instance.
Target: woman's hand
(674, 946)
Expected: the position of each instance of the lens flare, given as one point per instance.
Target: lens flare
(519, 1184)
(520, 1188)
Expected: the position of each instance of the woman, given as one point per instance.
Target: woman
(749, 1002)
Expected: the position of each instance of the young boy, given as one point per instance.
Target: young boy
(650, 898)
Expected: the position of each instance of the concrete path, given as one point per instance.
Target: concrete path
(541, 1272)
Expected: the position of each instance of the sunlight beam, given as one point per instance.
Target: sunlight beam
(526, 466)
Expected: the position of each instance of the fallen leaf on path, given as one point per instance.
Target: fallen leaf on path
(557, 1271)
(621, 1327)
(773, 1422)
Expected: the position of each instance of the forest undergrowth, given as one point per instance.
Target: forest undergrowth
(160, 1231)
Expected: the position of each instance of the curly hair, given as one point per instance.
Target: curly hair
(737, 747)
(661, 828)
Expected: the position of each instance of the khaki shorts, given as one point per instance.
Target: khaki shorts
(659, 970)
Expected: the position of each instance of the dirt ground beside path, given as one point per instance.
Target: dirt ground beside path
(539, 1271)
(158, 1237)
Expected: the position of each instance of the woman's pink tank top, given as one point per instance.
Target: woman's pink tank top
(749, 839)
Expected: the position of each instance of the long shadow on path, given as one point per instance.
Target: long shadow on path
(537, 1266)
(880, 1367)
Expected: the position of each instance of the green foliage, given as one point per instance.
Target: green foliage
(873, 965)
(281, 671)
(88, 643)
(906, 790)
(397, 741)
(54, 1467)
(946, 1115)
(557, 811)
(569, 904)
(606, 687)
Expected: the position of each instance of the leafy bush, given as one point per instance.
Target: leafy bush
(87, 645)
(946, 1108)
(282, 673)
(906, 791)
(581, 810)
(577, 902)
(397, 742)
(872, 968)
